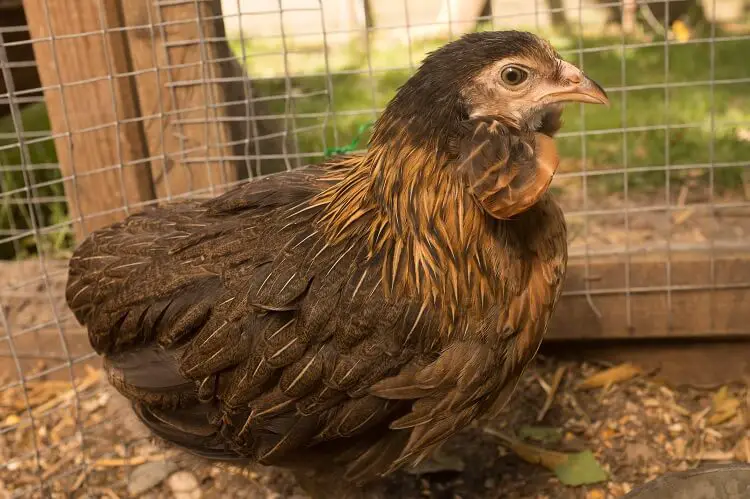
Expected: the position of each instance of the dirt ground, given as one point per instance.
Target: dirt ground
(78, 441)
(635, 425)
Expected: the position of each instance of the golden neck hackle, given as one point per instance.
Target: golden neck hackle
(418, 217)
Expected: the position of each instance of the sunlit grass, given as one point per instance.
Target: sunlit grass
(673, 105)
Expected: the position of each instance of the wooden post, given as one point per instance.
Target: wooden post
(185, 94)
(83, 64)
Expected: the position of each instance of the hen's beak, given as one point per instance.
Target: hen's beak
(576, 87)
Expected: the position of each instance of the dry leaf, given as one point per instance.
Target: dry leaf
(536, 455)
(610, 376)
(723, 407)
(574, 469)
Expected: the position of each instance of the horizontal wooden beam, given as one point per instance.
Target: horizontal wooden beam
(685, 295)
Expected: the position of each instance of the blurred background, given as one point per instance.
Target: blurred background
(109, 106)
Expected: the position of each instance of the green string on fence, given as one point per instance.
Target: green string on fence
(351, 146)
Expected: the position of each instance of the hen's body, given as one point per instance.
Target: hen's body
(239, 333)
(355, 313)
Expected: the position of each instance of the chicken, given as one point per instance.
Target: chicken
(350, 315)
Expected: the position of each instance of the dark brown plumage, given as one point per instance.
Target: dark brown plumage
(359, 312)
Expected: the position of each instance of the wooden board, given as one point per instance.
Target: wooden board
(92, 107)
(694, 362)
(194, 100)
(177, 71)
(685, 296)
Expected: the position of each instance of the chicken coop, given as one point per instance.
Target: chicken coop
(108, 107)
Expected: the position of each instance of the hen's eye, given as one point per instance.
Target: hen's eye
(513, 75)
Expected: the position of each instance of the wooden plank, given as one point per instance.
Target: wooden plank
(92, 108)
(698, 363)
(187, 86)
(673, 297)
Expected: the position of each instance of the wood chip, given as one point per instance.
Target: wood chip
(127, 461)
(716, 455)
(608, 377)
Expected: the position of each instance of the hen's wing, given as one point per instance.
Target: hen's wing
(235, 330)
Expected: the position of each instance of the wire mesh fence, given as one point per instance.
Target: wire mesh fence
(119, 107)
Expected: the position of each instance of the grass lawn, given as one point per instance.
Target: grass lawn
(667, 122)
(660, 119)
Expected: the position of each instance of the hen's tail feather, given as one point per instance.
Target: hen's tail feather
(151, 375)
(189, 429)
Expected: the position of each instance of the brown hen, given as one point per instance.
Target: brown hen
(348, 317)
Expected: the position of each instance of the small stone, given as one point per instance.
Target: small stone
(148, 475)
(184, 485)
(638, 452)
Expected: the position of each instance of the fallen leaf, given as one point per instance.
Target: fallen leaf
(581, 468)
(723, 407)
(536, 455)
(11, 420)
(543, 434)
(578, 468)
(610, 376)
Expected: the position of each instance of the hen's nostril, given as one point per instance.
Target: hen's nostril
(575, 79)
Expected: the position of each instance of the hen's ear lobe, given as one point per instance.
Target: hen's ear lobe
(506, 172)
(551, 122)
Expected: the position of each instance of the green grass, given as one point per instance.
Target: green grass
(15, 211)
(670, 128)
(695, 135)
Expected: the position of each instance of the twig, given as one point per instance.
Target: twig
(118, 462)
(556, 380)
(577, 407)
(541, 382)
(79, 481)
(497, 433)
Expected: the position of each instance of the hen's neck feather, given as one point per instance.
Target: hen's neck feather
(414, 213)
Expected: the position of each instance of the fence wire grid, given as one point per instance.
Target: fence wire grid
(114, 108)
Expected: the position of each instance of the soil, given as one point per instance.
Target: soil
(637, 428)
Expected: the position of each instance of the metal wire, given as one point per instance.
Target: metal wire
(312, 75)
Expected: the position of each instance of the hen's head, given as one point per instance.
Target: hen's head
(512, 76)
